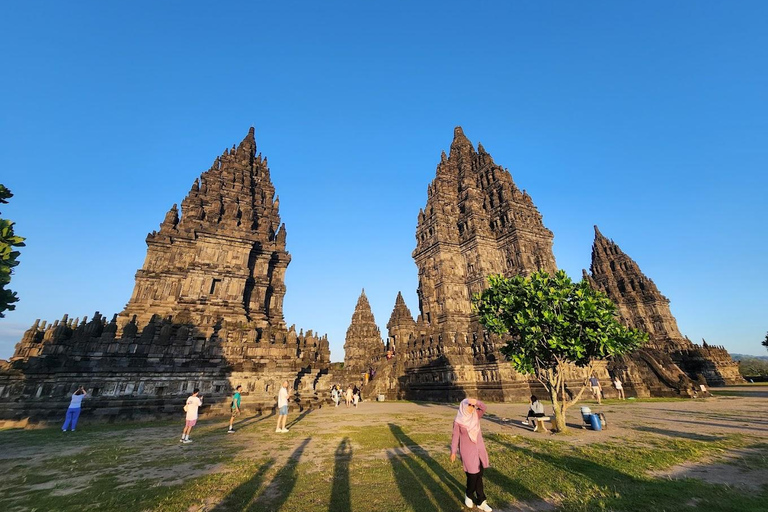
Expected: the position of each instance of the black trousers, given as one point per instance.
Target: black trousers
(475, 486)
(532, 414)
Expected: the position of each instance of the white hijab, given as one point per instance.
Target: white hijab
(468, 419)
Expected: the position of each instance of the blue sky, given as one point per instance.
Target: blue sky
(648, 119)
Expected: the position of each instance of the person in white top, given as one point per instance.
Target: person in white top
(536, 410)
(73, 412)
(193, 404)
(619, 387)
(282, 407)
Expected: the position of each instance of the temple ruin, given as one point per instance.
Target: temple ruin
(206, 312)
(207, 308)
(477, 222)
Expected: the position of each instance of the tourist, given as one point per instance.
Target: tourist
(282, 407)
(468, 441)
(389, 355)
(335, 395)
(536, 410)
(619, 387)
(235, 408)
(355, 395)
(73, 412)
(349, 395)
(193, 404)
(596, 388)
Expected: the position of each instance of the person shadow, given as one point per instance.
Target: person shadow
(423, 482)
(298, 418)
(274, 495)
(340, 491)
(242, 495)
(252, 420)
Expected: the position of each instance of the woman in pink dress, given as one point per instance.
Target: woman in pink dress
(468, 441)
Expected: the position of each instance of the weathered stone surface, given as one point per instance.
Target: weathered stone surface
(363, 342)
(206, 312)
(476, 223)
(642, 306)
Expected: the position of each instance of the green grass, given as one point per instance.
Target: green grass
(395, 466)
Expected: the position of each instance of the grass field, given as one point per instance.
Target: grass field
(386, 459)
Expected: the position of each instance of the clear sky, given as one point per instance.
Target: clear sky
(649, 119)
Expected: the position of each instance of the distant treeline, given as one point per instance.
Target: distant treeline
(752, 367)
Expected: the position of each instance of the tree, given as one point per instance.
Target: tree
(8, 256)
(765, 341)
(551, 323)
(753, 367)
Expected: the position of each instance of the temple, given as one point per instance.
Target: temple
(206, 312)
(642, 306)
(207, 309)
(477, 222)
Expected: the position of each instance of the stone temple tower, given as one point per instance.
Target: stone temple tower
(476, 223)
(363, 342)
(223, 257)
(641, 305)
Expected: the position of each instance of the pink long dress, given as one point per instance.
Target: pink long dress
(472, 454)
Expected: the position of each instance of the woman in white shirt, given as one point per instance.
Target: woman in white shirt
(536, 410)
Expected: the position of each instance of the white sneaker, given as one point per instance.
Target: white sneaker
(230, 431)
(484, 507)
(278, 430)
(187, 441)
(468, 502)
(284, 430)
(525, 422)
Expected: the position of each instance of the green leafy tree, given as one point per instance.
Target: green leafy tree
(552, 323)
(765, 341)
(8, 256)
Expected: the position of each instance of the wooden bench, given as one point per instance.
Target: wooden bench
(538, 423)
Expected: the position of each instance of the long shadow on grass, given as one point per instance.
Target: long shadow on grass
(340, 496)
(602, 487)
(299, 418)
(676, 433)
(239, 498)
(422, 481)
(281, 486)
(247, 422)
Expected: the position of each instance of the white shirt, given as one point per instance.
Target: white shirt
(193, 404)
(537, 407)
(617, 383)
(282, 397)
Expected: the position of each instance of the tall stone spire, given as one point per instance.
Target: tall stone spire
(224, 259)
(640, 303)
(363, 341)
(401, 324)
(476, 223)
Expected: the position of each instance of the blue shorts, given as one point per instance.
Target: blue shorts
(284, 410)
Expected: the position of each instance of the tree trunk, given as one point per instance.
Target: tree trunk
(553, 385)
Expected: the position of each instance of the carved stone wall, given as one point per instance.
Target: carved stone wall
(206, 311)
(642, 306)
(476, 222)
(363, 343)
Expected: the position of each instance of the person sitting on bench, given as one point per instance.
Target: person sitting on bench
(536, 410)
